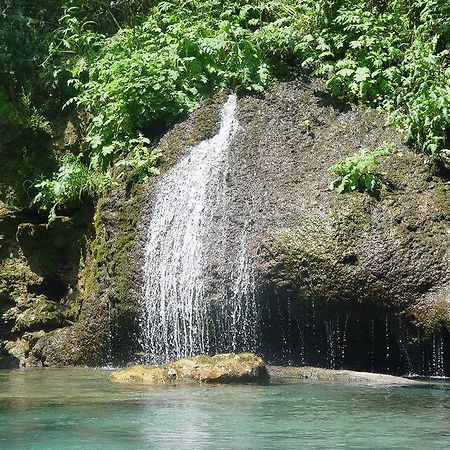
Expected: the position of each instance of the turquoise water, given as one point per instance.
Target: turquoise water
(80, 408)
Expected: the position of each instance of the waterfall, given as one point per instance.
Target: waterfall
(183, 313)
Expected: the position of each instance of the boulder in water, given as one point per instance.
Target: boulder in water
(221, 368)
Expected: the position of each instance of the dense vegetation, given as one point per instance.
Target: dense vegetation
(129, 68)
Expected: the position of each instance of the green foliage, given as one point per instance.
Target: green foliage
(151, 74)
(141, 162)
(130, 68)
(133, 77)
(357, 172)
(30, 116)
(69, 185)
(8, 115)
(390, 54)
(26, 33)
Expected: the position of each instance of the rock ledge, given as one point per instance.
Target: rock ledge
(336, 376)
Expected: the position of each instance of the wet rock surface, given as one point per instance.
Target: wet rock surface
(350, 280)
(394, 249)
(221, 368)
(39, 265)
(279, 373)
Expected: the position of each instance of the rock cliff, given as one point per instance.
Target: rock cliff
(342, 280)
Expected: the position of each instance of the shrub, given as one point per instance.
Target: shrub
(154, 72)
(136, 66)
(357, 172)
(69, 185)
(141, 162)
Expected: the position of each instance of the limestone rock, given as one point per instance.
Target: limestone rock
(221, 368)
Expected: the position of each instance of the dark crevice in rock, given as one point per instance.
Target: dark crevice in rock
(53, 288)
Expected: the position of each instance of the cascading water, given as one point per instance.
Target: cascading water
(181, 315)
(336, 341)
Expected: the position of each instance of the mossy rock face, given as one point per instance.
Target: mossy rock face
(350, 257)
(39, 264)
(202, 124)
(393, 249)
(110, 281)
(222, 368)
(38, 276)
(39, 261)
(106, 289)
(41, 315)
(7, 360)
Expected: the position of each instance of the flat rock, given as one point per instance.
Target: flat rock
(342, 376)
(221, 368)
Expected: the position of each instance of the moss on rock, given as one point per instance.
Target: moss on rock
(38, 278)
(222, 368)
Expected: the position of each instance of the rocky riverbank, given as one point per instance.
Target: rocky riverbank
(244, 368)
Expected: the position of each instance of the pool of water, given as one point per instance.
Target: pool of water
(80, 408)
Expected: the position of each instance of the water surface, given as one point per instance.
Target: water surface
(80, 408)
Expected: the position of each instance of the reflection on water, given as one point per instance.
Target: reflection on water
(80, 408)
